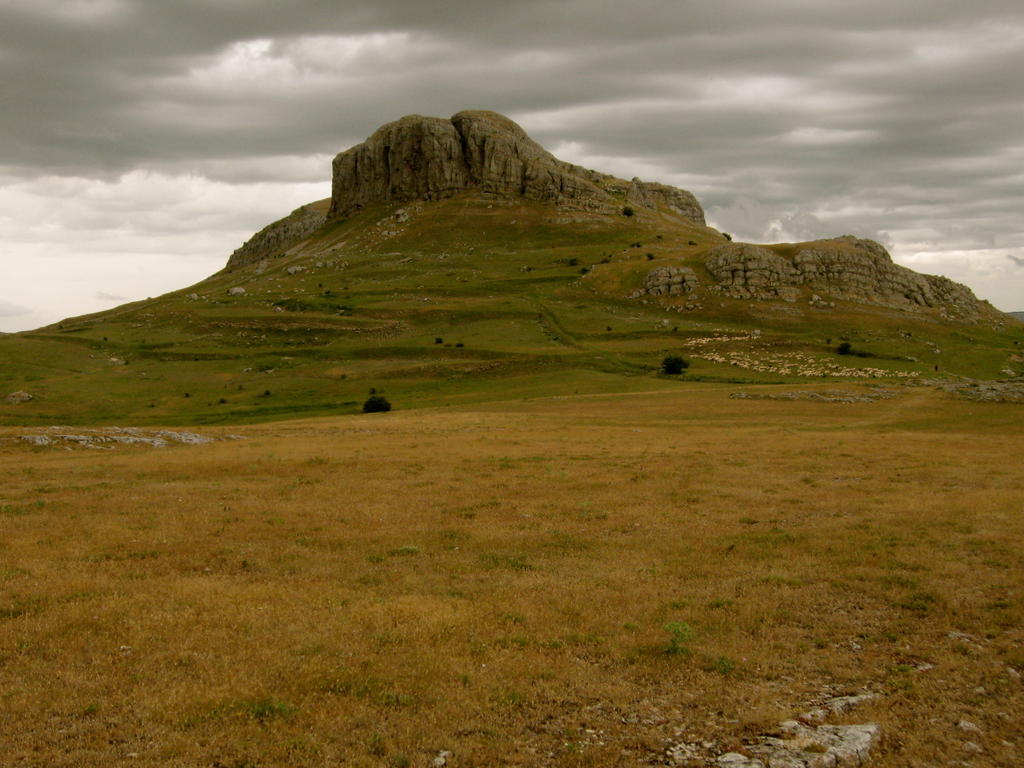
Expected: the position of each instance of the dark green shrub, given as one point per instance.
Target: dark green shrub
(844, 348)
(673, 365)
(376, 404)
(627, 212)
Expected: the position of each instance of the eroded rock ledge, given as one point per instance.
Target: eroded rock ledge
(821, 271)
(844, 268)
(276, 238)
(432, 158)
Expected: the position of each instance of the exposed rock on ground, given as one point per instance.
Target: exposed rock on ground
(107, 437)
(18, 397)
(829, 396)
(800, 743)
(432, 158)
(802, 746)
(1011, 391)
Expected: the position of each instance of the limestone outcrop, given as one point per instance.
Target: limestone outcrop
(671, 281)
(844, 268)
(650, 194)
(430, 158)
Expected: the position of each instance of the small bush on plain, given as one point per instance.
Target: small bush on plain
(673, 365)
(376, 404)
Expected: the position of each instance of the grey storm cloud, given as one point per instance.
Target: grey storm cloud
(787, 118)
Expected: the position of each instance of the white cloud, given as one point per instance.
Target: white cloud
(10, 309)
(144, 234)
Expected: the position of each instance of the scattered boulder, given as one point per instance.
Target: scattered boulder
(18, 397)
(236, 291)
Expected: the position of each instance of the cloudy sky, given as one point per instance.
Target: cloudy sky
(141, 141)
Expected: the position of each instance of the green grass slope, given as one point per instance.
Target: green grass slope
(474, 298)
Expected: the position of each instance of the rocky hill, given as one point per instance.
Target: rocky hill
(458, 261)
(421, 158)
(431, 158)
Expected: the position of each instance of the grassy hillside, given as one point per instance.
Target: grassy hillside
(466, 300)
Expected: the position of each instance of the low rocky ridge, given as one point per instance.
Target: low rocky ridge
(841, 269)
(278, 237)
(432, 158)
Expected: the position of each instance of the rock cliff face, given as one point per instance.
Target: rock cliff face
(430, 158)
(844, 268)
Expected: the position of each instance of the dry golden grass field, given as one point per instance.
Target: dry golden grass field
(496, 581)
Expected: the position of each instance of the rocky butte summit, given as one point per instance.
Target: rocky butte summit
(433, 158)
(430, 158)
(419, 158)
